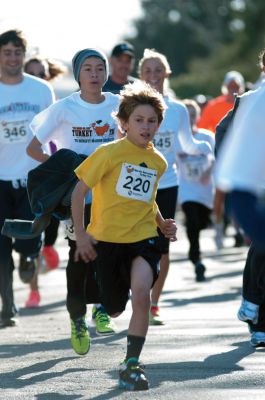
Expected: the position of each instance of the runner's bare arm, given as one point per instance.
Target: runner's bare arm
(167, 226)
(35, 151)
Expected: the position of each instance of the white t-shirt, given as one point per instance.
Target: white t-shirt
(74, 124)
(175, 136)
(241, 164)
(192, 190)
(18, 105)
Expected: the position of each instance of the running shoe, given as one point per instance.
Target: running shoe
(104, 323)
(51, 257)
(27, 268)
(8, 322)
(154, 317)
(132, 376)
(199, 271)
(33, 299)
(239, 240)
(248, 312)
(257, 339)
(80, 338)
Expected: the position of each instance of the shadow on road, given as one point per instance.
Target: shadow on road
(223, 255)
(51, 307)
(56, 396)
(18, 379)
(213, 366)
(18, 350)
(215, 298)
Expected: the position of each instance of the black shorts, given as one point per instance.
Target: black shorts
(166, 200)
(113, 267)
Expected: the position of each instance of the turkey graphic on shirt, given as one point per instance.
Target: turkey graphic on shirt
(100, 129)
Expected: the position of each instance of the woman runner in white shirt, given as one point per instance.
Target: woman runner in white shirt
(174, 135)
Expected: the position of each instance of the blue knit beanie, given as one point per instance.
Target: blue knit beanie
(82, 55)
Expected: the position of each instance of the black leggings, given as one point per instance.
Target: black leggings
(197, 218)
(82, 288)
(254, 283)
(14, 204)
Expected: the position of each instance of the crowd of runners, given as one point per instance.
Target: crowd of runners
(112, 163)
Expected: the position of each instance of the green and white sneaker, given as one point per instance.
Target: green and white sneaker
(104, 323)
(132, 376)
(80, 338)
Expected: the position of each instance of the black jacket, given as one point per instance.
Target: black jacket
(50, 187)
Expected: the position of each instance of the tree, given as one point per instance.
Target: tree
(202, 39)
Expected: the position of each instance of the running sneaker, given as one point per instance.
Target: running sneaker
(80, 338)
(154, 317)
(33, 299)
(8, 322)
(27, 268)
(257, 339)
(51, 257)
(248, 312)
(104, 323)
(132, 376)
(239, 240)
(199, 271)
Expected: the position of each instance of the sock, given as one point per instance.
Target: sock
(134, 346)
(100, 306)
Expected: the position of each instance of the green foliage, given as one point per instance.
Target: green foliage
(203, 39)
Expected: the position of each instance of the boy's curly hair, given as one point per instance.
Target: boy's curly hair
(137, 94)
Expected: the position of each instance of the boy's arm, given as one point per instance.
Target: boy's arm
(35, 150)
(84, 241)
(167, 226)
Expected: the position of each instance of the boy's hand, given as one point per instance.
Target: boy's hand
(85, 247)
(169, 229)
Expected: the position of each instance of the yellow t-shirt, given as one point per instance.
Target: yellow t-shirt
(124, 179)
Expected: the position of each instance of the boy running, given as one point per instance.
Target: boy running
(121, 239)
(80, 122)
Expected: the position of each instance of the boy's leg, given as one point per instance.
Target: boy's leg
(76, 302)
(141, 283)
(76, 274)
(103, 322)
(131, 374)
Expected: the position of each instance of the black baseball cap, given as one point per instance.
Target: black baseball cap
(123, 48)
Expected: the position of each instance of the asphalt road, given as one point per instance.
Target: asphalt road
(202, 352)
